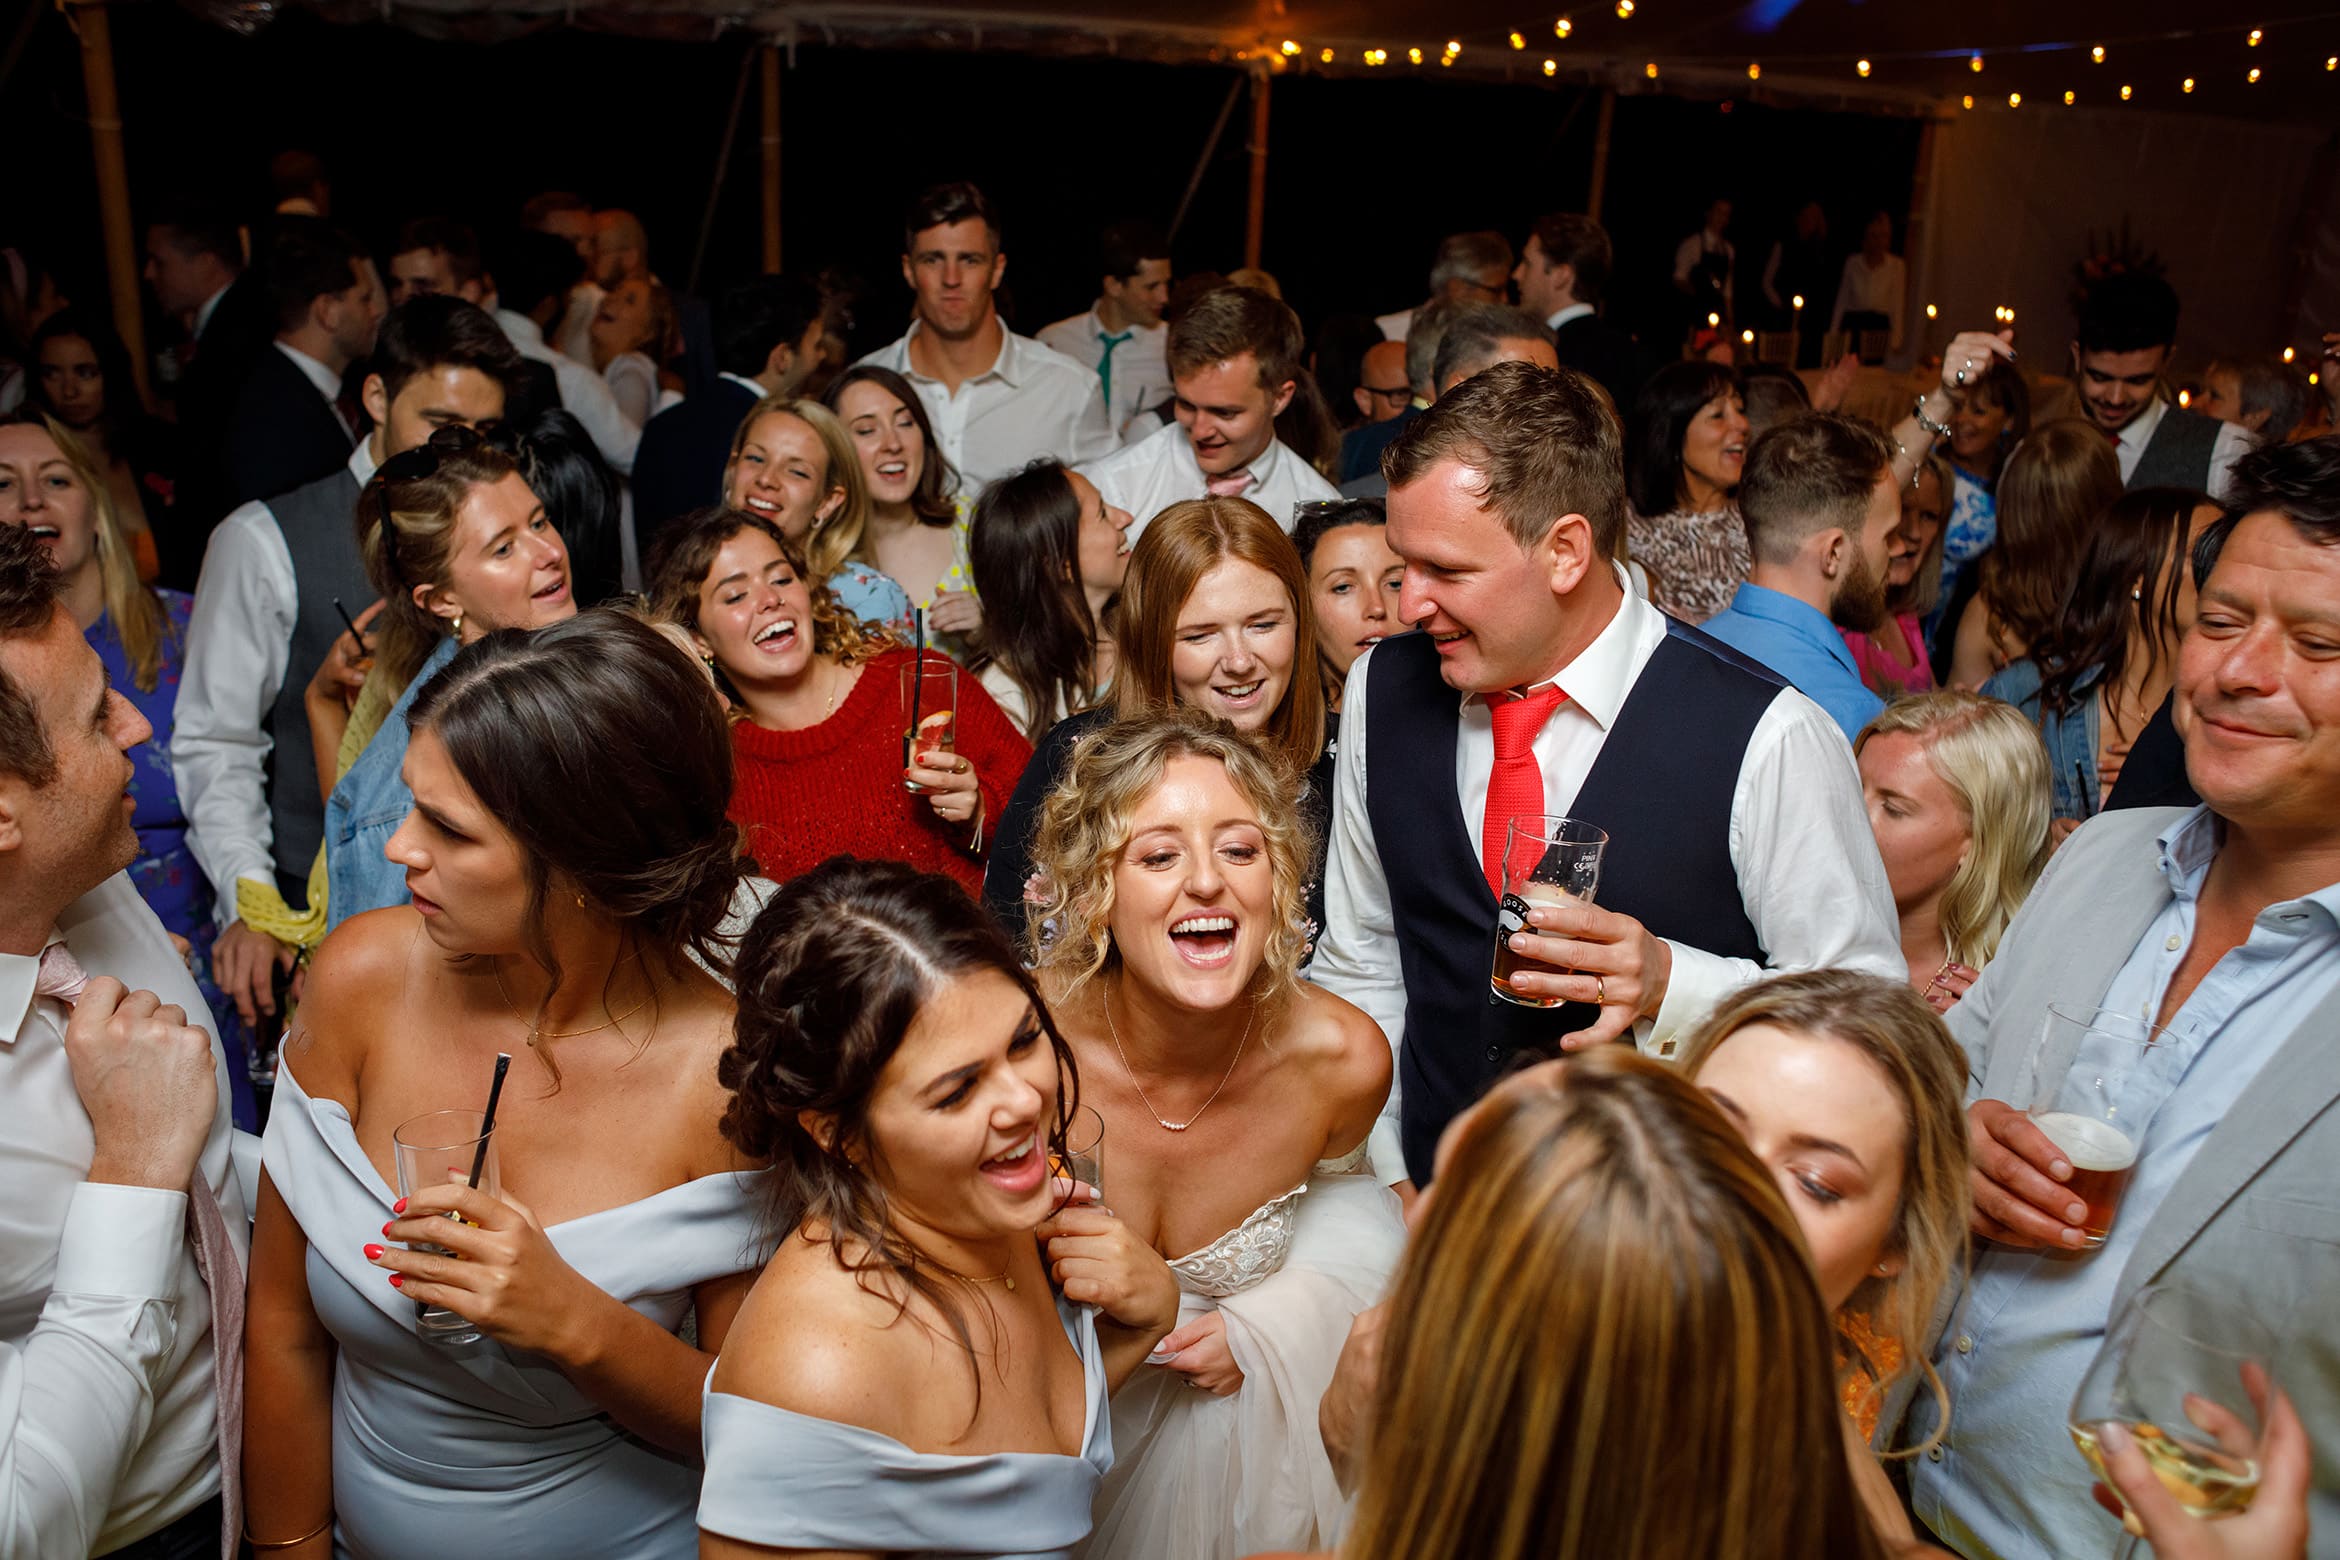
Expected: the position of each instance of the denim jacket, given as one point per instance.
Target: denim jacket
(367, 807)
(2070, 736)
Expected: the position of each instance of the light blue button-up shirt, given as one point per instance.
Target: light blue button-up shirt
(2007, 1482)
(1796, 640)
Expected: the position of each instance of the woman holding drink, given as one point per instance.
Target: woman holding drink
(905, 1378)
(845, 740)
(1237, 1100)
(562, 897)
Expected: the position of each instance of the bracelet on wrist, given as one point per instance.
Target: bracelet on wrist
(288, 1543)
(1938, 430)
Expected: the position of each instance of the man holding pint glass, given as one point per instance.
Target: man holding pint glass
(1540, 687)
(2155, 1055)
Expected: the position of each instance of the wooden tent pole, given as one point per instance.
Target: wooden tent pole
(1202, 164)
(1917, 240)
(1600, 157)
(1255, 215)
(771, 157)
(113, 180)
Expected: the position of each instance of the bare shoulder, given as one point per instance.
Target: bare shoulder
(358, 974)
(1342, 1045)
(813, 1340)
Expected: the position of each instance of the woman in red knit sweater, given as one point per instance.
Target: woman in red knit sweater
(818, 712)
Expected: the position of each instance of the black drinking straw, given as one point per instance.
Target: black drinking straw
(351, 624)
(2087, 791)
(487, 1125)
(917, 687)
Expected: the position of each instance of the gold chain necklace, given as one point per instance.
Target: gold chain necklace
(535, 1033)
(1176, 1126)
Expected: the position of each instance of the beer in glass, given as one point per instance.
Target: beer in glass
(1547, 860)
(2100, 1076)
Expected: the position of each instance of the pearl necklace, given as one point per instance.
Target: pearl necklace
(1175, 1126)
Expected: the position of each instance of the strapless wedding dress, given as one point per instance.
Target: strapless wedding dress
(1197, 1477)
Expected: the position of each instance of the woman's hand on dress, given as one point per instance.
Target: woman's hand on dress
(948, 781)
(343, 671)
(1199, 1352)
(955, 612)
(505, 1276)
(1095, 1260)
(1968, 357)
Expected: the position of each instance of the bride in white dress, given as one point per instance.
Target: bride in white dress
(1236, 1103)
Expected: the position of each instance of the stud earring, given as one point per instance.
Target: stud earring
(2136, 593)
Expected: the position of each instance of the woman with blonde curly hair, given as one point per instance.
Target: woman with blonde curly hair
(793, 466)
(1853, 1095)
(820, 715)
(1236, 1103)
(1960, 799)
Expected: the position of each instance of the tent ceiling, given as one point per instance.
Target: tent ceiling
(1805, 49)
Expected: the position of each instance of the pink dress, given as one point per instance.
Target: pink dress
(1884, 678)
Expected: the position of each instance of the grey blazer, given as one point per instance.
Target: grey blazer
(2258, 1213)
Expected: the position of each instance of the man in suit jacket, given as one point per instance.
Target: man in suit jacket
(2121, 351)
(1563, 271)
(288, 427)
(195, 266)
(767, 339)
(2221, 923)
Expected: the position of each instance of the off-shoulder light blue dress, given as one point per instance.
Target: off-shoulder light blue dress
(796, 1482)
(476, 1449)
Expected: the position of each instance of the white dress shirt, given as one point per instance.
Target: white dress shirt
(1561, 317)
(204, 312)
(327, 382)
(1398, 326)
(1149, 476)
(1696, 248)
(1030, 403)
(239, 641)
(1883, 290)
(574, 335)
(1141, 371)
(2234, 442)
(1810, 878)
(108, 1423)
(584, 393)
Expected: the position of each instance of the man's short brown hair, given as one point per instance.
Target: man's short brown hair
(1229, 321)
(1544, 441)
(28, 600)
(1812, 473)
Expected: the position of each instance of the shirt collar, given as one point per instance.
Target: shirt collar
(18, 974)
(1801, 618)
(1574, 311)
(1599, 679)
(205, 309)
(362, 462)
(2186, 848)
(2139, 432)
(1008, 366)
(326, 382)
(744, 383)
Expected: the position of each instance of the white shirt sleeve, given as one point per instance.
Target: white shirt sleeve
(1357, 956)
(78, 1394)
(2234, 442)
(1809, 874)
(239, 641)
(633, 385)
(588, 398)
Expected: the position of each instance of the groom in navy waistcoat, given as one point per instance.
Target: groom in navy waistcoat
(1540, 682)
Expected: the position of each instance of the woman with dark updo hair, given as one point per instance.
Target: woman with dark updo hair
(569, 899)
(912, 1373)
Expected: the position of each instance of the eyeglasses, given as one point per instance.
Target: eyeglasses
(1399, 393)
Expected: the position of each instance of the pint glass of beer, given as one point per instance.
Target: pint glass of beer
(2100, 1077)
(1546, 861)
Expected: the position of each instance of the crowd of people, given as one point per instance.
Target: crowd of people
(1041, 844)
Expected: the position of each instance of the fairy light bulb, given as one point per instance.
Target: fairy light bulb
(1967, 101)
(2014, 100)
(1551, 67)
(2068, 99)
(2253, 39)
(1748, 337)
(1862, 68)
(2287, 354)
(2097, 54)
(1519, 40)
(1933, 313)
(2127, 89)
(1291, 47)
(1414, 56)
(1326, 56)
(2187, 87)
(1712, 320)
(1650, 70)
(1974, 62)
(1563, 27)
(1754, 71)
(1624, 9)
(2253, 77)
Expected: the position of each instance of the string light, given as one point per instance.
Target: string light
(2067, 100)
(1748, 337)
(2253, 77)
(2014, 100)
(1519, 40)
(2126, 89)
(2189, 86)
(1446, 59)
(1414, 56)
(1754, 71)
(2254, 38)
(2097, 54)
(1650, 70)
(1862, 68)
(1624, 9)
(1291, 47)
(2332, 62)
(1452, 47)
(1326, 56)
(1563, 27)
(1377, 56)
(1968, 100)
(1712, 320)
(1974, 62)
(1551, 67)
(1933, 313)
(2185, 399)
(2287, 354)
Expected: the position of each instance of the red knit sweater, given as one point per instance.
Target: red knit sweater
(836, 788)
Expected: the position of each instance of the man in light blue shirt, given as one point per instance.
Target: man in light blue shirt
(1822, 515)
(2223, 925)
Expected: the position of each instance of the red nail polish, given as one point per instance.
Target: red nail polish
(385, 1229)
(398, 1206)
(398, 1281)
(373, 1253)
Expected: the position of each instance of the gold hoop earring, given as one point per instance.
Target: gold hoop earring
(457, 625)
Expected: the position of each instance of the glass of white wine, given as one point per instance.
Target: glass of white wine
(2184, 1374)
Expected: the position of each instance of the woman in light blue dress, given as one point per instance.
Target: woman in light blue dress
(923, 1367)
(793, 465)
(563, 902)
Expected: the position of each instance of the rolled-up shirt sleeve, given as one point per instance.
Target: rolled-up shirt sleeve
(239, 641)
(78, 1393)
(1809, 875)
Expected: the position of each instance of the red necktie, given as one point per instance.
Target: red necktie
(1517, 784)
(62, 978)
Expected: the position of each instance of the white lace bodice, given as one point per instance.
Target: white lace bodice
(1257, 1247)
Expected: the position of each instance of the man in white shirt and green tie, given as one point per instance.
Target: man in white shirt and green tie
(1121, 336)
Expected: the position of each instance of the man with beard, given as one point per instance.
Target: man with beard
(1822, 511)
(997, 400)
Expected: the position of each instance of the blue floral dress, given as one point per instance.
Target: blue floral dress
(165, 872)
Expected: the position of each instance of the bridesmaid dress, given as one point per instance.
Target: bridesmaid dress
(476, 1449)
(792, 1481)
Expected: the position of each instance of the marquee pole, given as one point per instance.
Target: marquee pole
(90, 24)
(1255, 216)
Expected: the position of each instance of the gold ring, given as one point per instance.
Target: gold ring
(1600, 992)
